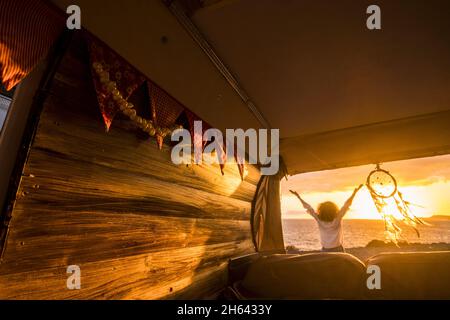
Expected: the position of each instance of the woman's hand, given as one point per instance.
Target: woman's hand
(296, 194)
(307, 206)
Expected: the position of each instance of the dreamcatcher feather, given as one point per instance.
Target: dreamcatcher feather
(383, 189)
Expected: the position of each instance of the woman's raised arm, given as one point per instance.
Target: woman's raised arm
(349, 201)
(305, 204)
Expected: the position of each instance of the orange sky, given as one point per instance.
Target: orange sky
(425, 182)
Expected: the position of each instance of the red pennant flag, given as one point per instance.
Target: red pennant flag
(28, 29)
(197, 137)
(165, 109)
(240, 163)
(127, 78)
(222, 156)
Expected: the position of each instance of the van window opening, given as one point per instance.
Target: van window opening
(425, 182)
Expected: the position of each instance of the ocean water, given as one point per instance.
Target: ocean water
(304, 234)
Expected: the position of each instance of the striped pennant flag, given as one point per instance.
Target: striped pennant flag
(28, 29)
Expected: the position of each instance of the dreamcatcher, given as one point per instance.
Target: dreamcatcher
(387, 198)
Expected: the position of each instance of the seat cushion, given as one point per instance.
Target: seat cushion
(308, 276)
(412, 275)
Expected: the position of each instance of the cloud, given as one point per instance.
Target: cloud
(418, 172)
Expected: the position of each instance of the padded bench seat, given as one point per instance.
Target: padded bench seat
(308, 276)
(412, 275)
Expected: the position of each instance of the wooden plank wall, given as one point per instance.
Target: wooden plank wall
(138, 226)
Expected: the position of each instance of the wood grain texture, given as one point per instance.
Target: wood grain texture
(138, 226)
(194, 272)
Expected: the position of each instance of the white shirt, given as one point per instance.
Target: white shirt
(330, 231)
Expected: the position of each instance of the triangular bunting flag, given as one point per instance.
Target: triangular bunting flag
(165, 110)
(127, 78)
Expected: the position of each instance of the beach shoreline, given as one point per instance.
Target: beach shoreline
(375, 247)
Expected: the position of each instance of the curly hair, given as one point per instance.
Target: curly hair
(327, 211)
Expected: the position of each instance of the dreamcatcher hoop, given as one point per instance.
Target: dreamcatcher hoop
(382, 185)
(373, 179)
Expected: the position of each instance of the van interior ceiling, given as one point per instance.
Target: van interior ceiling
(99, 99)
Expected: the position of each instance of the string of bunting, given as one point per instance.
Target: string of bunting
(115, 80)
